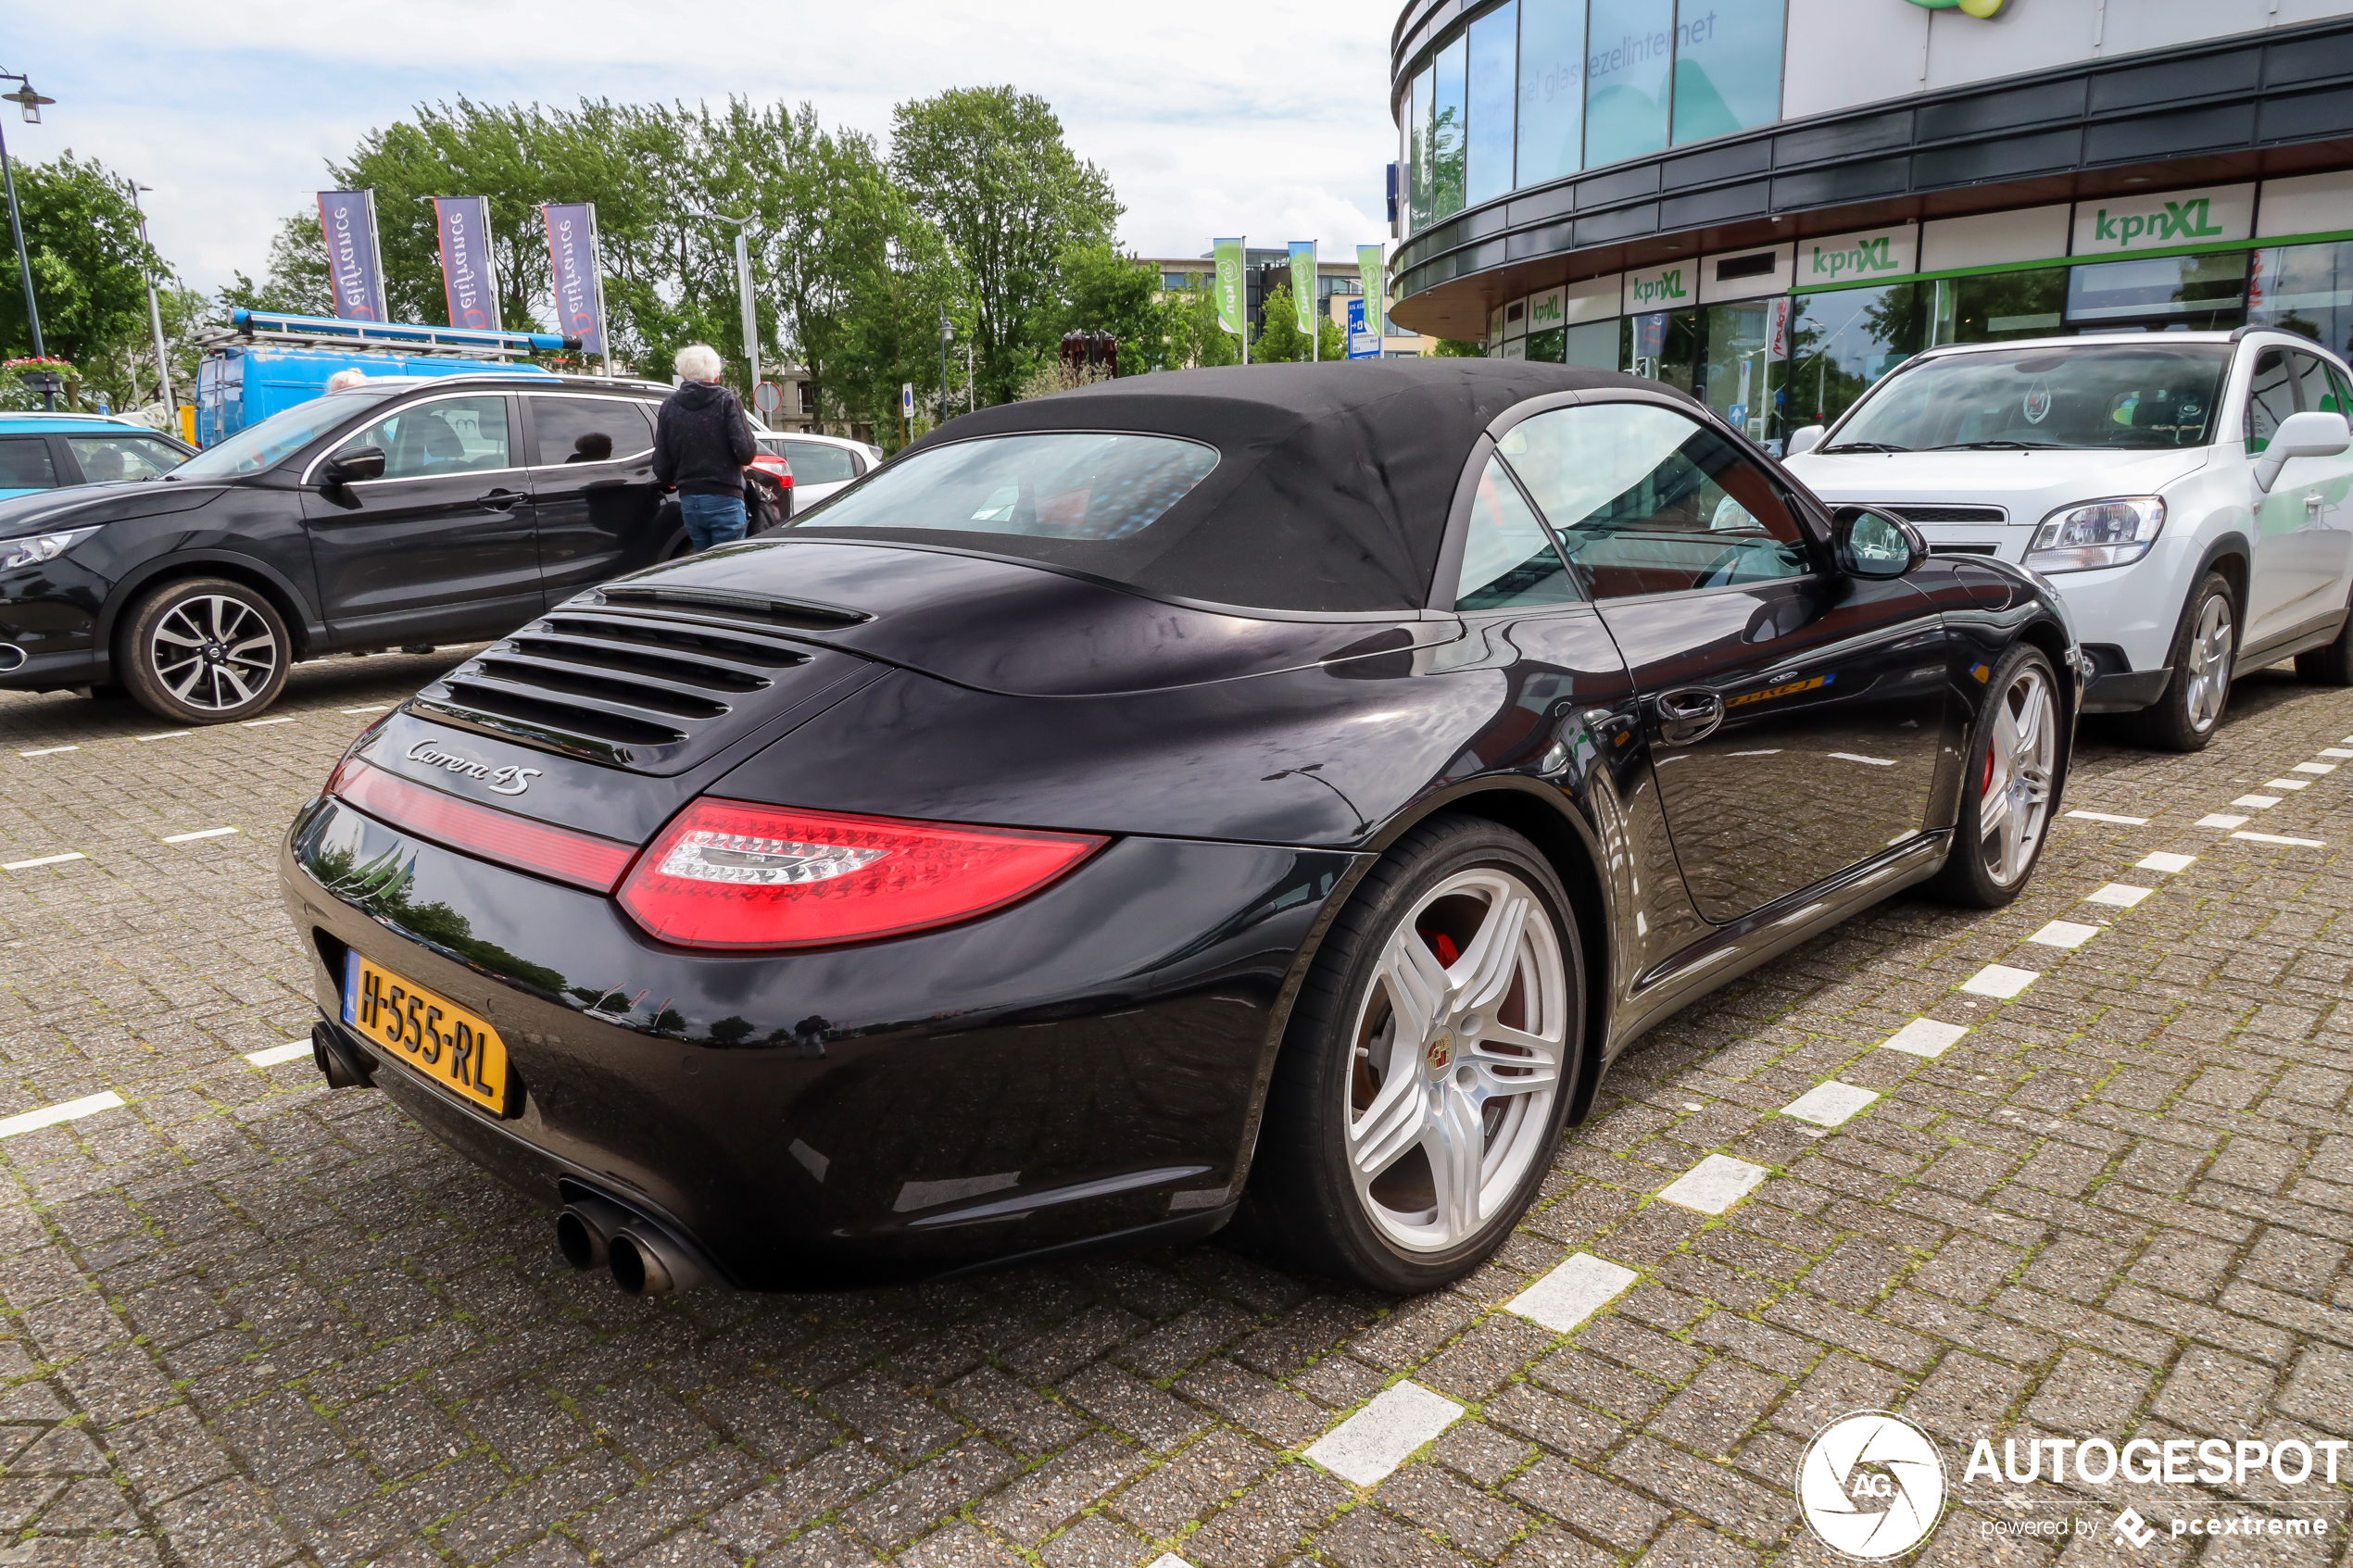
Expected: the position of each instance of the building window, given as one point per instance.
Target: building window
(1449, 116)
(1493, 46)
(1419, 112)
(1552, 89)
(2305, 289)
(1626, 79)
(1727, 69)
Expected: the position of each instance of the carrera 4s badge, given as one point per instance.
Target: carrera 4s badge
(508, 780)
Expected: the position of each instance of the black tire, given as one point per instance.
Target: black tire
(1984, 868)
(2331, 664)
(202, 650)
(1303, 1204)
(2186, 716)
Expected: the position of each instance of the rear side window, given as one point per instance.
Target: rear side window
(2271, 397)
(1081, 485)
(1508, 559)
(105, 458)
(25, 463)
(588, 430)
(814, 462)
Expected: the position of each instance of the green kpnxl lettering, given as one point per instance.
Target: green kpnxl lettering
(2191, 219)
(1863, 256)
(1667, 285)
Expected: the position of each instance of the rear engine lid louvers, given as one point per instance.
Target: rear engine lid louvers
(651, 691)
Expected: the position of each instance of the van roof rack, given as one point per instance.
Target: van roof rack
(328, 331)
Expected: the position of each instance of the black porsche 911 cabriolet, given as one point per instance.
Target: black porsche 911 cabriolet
(1275, 791)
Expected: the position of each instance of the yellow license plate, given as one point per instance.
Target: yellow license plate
(426, 1032)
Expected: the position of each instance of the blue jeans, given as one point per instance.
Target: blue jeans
(712, 520)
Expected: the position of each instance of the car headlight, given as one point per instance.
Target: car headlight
(35, 548)
(2116, 532)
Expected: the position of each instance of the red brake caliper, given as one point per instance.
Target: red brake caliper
(1444, 946)
(1989, 772)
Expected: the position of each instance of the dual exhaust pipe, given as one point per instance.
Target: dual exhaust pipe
(643, 1259)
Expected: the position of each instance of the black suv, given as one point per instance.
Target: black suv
(409, 510)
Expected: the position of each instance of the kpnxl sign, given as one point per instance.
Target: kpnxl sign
(2217, 214)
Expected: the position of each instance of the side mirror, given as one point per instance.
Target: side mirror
(1805, 439)
(358, 462)
(2308, 435)
(1876, 545)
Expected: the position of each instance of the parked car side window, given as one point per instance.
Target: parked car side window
(25, 463)
(2314, 393)
(1508, 559)
(447, 435)
(2341, 390)
(2271, 397)
(1648, 501)
(105, 458)
(814, 462)
(589, 430)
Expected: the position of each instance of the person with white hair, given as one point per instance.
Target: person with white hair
(344, 381)
(702, 444)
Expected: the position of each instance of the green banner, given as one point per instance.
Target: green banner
(1232, 297)
(1302, 283)
(1368, 270)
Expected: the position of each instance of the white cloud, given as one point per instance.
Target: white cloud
(1267, 119)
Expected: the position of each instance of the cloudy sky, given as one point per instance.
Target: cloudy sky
(1212, 117)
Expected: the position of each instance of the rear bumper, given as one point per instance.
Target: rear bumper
(1085, 1064)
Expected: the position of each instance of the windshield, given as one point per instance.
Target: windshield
(2141, 396)
(1073, 485)
(258, 446)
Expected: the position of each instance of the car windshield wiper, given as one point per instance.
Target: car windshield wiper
(1861, 446)
(1996, 446)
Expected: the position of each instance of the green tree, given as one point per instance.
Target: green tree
(1106, 290)
(82, 239)
(1282, 340)
(989, 168)
(1458, 348)
(1205, 339)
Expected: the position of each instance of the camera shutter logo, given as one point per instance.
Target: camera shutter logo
(1871, 1485)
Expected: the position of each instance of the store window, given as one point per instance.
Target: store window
(1628, 45)
(1488, 158)
(1417, 172)
(1552, 89)
(2305, 289)
(2001, 304)
(1448, 142)
(2193, 292)
(1741, 370)
(1728, 67)
(1594, 345)
(1551, 346)
(1843, 340)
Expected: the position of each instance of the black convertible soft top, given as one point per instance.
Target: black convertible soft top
(1330, 493)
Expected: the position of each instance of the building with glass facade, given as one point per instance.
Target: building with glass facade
(1770, 203)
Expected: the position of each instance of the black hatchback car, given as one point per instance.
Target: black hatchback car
(1274, 792)
(406, 510)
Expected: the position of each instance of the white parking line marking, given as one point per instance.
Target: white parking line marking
(293, 1050)
(1872, 761)
(2314, 768)
(1829, 1104)
(44, 860)
(2111, 817)
(1571, 1292)
(201, 833)
(2258, 802)
(1924, 1036)
(2334, 751)
(2218, 820)
(2123, 895)
(257, 723)
(379, 708)
(2275, 838)
(1168, 1559)
(48, 750)
(1775, 752)
(2164, 860)
(2065, 933)
(1378, 1438)
(165, 735)
(1714, 1185)
(2288, 783)
(1999, 980)
(50, 1115)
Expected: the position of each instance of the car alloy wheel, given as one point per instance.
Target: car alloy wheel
(214, 653)
(2016, 803)
(1459, 1042)
(2208, 670)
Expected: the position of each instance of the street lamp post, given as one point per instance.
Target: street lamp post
(25, 98)
(743, 291)
(155, 309)
(944, 333)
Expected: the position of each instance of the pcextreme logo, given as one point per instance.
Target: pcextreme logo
(1871, 1485)
(1979, 8)
(1667, 284)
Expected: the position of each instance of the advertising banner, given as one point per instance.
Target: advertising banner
(1303, 285)
(580, 282)
(354, 265)
(1368, 272)
(1232, 301)
(469, 276)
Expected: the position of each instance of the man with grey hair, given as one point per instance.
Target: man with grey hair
(702, 444)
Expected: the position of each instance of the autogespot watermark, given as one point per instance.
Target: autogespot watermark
(1871, 1485)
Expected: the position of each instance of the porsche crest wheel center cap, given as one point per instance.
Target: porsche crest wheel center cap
(1439, 1056)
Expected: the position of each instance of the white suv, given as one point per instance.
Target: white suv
(2189, 494)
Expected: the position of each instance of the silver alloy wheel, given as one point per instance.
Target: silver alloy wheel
(2209, 673)
(213, 652)
(1459, 1042)
(2019, 763)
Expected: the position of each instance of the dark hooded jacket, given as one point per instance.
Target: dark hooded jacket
(702, 441)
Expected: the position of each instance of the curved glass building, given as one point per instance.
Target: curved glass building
(1770, 203)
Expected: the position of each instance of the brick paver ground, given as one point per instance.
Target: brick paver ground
(249, 1321)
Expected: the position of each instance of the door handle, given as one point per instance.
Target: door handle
(500, 500)
(1688, 715)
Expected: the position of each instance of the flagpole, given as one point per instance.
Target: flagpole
(1241, 297)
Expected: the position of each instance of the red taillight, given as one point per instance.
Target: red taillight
(775, 467)
(579, 859)
(726, 873)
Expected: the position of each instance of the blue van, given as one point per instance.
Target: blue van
(48, 451)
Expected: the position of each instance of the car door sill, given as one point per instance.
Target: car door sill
(2271, 650)
(1766, 932)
